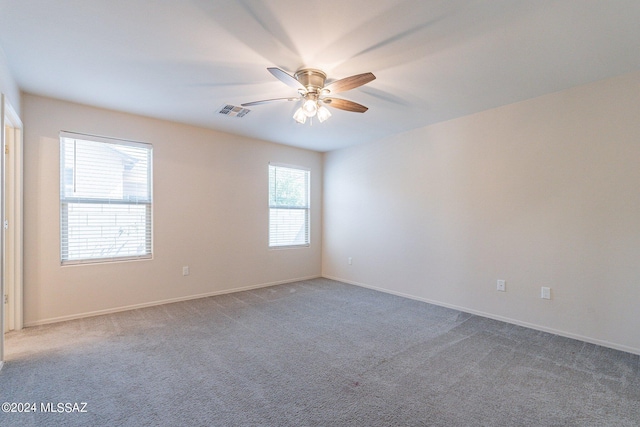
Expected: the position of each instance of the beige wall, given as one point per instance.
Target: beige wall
(544, 192)
(210, 213)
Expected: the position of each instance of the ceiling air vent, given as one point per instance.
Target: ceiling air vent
(233, 111)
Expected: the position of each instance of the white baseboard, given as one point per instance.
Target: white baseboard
(590, 340)
(160, 302)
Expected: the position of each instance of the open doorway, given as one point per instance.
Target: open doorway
(11, 204)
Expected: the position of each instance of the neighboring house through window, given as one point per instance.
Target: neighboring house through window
(105, 199)
(288, 206)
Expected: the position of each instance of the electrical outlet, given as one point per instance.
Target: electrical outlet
(545, 293)
(185, 270)
(350, 260)
(501, 286)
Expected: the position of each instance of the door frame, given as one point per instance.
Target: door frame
(11, 205)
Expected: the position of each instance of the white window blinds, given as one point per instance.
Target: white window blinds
(288, 206)
(105, 199)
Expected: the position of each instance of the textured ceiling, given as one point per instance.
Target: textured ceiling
(182, 60)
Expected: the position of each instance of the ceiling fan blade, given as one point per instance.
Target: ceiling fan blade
(343, 104)
(349, 83)
(286, 78)
(266, 101)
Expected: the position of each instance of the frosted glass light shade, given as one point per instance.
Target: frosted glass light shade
(323, 113)
(300, 116)
(310, 107)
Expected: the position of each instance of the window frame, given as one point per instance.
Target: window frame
(306, 208)
(65, 202)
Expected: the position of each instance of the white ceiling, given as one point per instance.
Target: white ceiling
(182, 60)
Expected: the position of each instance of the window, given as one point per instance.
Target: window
(105, 199)
(288, 206)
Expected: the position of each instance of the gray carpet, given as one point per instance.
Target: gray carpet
(313, 353)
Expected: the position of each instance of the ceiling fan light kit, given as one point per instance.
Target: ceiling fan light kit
(310, 84)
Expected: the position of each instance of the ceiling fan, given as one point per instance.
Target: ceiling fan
(310, 84)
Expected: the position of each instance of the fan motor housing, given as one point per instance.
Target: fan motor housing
(311, 78)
